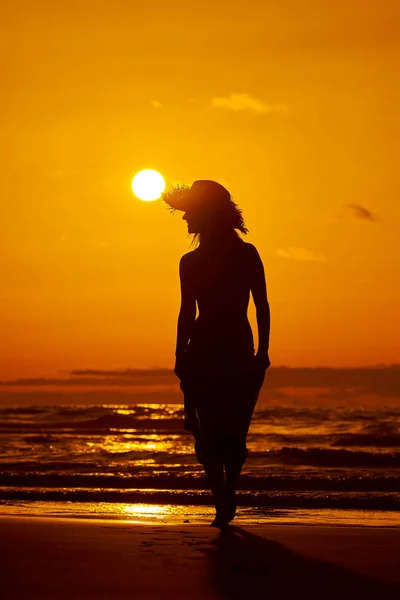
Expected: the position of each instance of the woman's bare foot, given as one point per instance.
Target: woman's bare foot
(220, 521)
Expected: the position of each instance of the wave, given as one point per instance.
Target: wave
(24, 410)
(186, 481)
(326, 457)
(326, 413)
(100, 425)
(383, 434)
(380, 427)
(386, 440)
(288, 456)
(360, 501)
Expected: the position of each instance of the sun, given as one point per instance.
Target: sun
(148, 185)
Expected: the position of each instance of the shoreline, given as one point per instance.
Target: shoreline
(150, 514)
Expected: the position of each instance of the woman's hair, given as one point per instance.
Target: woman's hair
(218, 230)
(218, 217)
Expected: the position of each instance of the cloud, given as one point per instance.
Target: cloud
(240, 102)
(126, 378)
(382, 380)
(360, 212)
(155, 372)
(280, 382)
(303, 254)
(156, 104)
(115, 397)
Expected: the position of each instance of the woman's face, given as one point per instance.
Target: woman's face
(192, 222)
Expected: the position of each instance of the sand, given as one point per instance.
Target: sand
(85, 559)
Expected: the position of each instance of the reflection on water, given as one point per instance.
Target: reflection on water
(126, 443)
(99, 457)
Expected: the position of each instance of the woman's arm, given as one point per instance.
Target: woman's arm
(187, 315)
(259, 292)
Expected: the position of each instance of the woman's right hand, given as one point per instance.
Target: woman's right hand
(262, 361)
(260, 365)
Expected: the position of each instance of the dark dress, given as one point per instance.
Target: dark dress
(221, 382)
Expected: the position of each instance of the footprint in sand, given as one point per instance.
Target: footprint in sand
(192, 543)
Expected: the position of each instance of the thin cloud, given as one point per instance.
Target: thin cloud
(360, 212)
(339, 383)
(382, 380)
(241, 102)
(66, 397)
(97, 377)
(156, 372)
(85, 382)
(295, 253)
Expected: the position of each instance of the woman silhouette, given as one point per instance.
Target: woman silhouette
(220, 375)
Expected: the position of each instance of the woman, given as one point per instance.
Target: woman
(220, 375)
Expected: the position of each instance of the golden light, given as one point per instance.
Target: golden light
(141, 510)
(148, 185)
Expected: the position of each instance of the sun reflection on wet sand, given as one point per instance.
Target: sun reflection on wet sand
(141, 511)
(175, 514)
(136, 513)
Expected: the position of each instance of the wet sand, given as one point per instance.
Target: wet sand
(84, 559)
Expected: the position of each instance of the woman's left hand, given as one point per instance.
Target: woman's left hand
(180, 366)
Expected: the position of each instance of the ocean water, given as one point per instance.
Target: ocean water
(90, 459)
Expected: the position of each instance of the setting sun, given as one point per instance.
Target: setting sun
(148, 185)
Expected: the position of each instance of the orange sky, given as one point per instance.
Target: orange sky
(294, 106)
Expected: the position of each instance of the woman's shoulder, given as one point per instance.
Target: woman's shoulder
(190, 255)
(198, 256)
(250, 249)
(188, 258)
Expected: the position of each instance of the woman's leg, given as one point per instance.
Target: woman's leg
(209, 447)
(234, 458)
(211, 452)
(214, 470)
(243, 400)
(235, 454)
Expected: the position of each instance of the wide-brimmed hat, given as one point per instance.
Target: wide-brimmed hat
(206, 199)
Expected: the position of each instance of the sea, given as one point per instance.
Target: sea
(136, 462)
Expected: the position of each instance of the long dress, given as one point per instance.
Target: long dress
(221, 383)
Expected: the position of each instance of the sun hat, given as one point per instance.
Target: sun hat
(206, 198)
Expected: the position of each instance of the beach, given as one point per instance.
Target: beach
(108, 502)
(74, 558)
